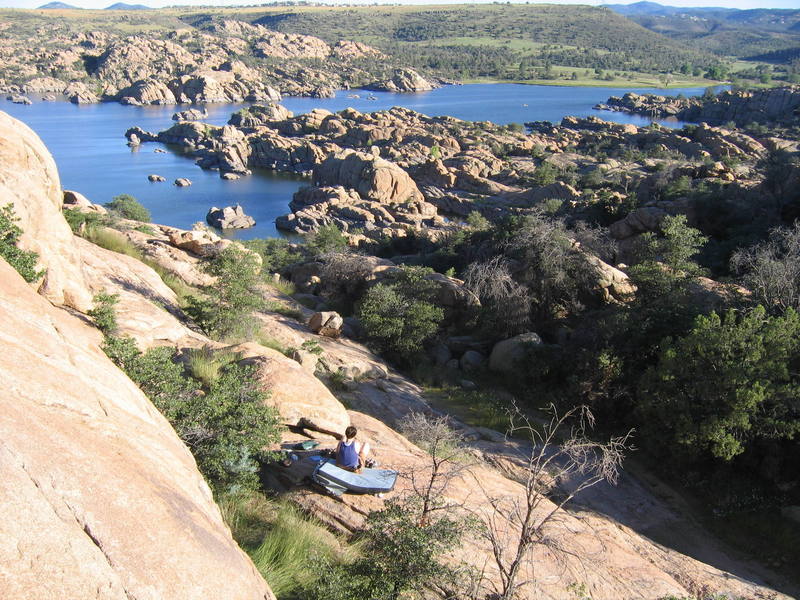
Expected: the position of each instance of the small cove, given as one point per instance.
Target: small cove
(89, 148)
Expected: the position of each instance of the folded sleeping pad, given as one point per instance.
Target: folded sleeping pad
(369, 481)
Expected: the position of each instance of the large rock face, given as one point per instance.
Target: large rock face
(295, 393)
(404, 80)
(100, 498)
(29, 181)
(373, 178)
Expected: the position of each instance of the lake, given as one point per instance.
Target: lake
(89, 147)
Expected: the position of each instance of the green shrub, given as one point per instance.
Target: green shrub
(401, 557)
(23, 261)
(276, 253)
(399, 317)
(477, 222)
(224, 421)
(128, 207)
(227, 309)
(77, 219)
(222, 416)
(285, 287)
(545, 174)
(726, 384)
(146, 229)
(205, 364)
(104, 313)
(325, 240)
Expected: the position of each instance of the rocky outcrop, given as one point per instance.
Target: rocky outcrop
(328, 324)
(292, 390)
(44, 85)
(373, 178)
(258, 114)
(101, 499)
(205, 244)
(623, 563)
(741, 106)
(348, 50)
(273, 44)
(148, 310)
(77, 201)
(404, 80)
(147, 91)
(79, 93)
(29, 182)
(192, 114)
(230, 217)
(507, 355)
(138, 58)
(19, 99)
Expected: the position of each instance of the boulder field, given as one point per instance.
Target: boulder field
(102, 500)
(391, 172)
(218, 61)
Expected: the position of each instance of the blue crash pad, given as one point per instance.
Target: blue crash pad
(368, 481)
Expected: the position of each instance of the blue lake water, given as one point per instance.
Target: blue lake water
(88, 145)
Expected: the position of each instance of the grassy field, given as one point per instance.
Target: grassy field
(563, 76)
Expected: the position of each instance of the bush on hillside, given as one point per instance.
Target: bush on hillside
(327, 238)
(128, 207)
(276, 253)
(224, 421)
(400, 316)
(727, 384)
(227, 309)
(23, 261)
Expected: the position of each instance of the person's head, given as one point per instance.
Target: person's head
(350, 432)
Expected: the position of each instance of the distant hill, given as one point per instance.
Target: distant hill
(654, 8)
(723, 31)
(58, 5)
(123, 6)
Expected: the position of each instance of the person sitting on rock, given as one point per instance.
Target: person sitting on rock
(352, 454)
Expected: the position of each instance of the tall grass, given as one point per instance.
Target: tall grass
(113, 240)
(205, 364)
(284, 286)
(279, 307)
(270, 342)
(282, 541)
(286, 555)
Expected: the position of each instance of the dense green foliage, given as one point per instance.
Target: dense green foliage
(224, 422)
(229, 303)
(220, 413)
(23, 261)
(276, 253)
(104, 313)
(728, 384)
(401, 555)
(128, 207)
(327, 238)
(400, 316)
